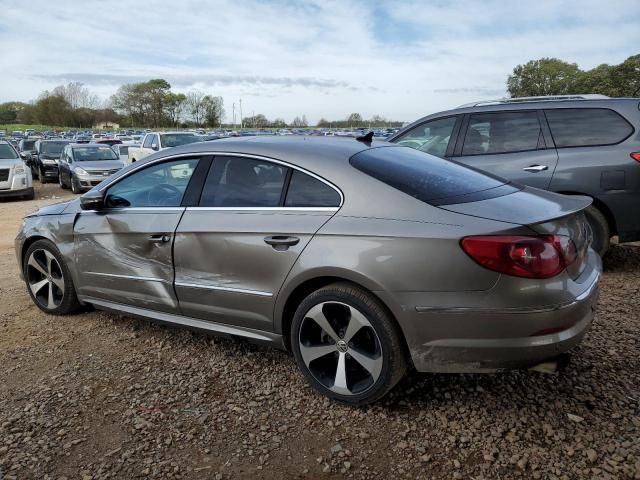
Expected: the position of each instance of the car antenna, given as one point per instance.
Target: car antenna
(365, 138)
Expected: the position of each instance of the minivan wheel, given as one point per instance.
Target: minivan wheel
(48, 279)
(347, 345)
(600, 228)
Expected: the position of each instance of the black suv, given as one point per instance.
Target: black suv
(44, 162)
(576, 145)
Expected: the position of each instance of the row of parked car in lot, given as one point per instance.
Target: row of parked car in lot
(468, 241)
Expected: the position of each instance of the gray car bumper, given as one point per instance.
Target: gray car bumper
(468, 339)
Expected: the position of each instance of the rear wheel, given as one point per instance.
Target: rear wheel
(600, 228)
(48, 279)
(347, 345)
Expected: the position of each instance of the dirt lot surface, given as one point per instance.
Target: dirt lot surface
(97, 395)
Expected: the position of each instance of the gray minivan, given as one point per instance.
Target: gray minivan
(575, 144)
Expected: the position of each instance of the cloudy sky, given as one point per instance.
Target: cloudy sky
(322, 58)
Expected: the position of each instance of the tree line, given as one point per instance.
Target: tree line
(552, 76)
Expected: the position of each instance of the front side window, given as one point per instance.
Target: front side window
(243, 182)
(160, 185)
(306, 191)
(504, 132)
(430, 137)
(584, 127)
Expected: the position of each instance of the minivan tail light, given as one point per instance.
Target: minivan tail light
(536, 256)
(636, 156)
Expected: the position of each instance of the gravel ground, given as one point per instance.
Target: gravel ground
(98, 395)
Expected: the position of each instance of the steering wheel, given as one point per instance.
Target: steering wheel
(163, 194)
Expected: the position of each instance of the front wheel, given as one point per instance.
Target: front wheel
(41, 176)
(600, 228)
(347, 345)
(48, 279)
(61, 182)
(75, 188)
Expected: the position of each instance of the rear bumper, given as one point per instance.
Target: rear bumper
(49, 171)
(457, 339)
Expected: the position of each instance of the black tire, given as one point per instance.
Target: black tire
(600, 228)
(34, 173)
(61, 182)
(75, 188)
(41, 176)
(68, 301)
(393, 349)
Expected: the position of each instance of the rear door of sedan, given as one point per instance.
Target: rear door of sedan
(234, 250)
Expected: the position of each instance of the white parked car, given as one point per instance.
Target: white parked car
(154, 142)
(15, 176)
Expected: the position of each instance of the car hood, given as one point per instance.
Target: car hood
(100, 165)
(524, 207)
(68, 207)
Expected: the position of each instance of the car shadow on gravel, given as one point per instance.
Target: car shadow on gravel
(622, 258)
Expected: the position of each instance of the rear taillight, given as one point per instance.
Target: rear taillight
(635, 156)
(540, 256)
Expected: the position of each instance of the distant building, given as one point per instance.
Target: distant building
(106, 126)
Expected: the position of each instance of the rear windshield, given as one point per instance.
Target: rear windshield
(6, 151)
(177, 139)
(584, 127)
(28, 144)
(428, 178)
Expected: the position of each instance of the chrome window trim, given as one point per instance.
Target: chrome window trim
(134, 210)
(265, 209)
(224, 289)
(229, 154)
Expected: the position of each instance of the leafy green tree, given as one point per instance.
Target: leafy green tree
(213, 110)
(174, 105)
(547, 76)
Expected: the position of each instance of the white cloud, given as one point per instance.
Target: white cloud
(321, 58)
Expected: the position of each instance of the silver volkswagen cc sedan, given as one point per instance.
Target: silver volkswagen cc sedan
(363, 260)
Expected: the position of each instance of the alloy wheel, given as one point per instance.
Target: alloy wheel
(340, 348)
(45, 278)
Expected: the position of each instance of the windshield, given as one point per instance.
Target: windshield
(6, 151)
(52, 148)
(92, 154)
(177, 139)
(28, 144)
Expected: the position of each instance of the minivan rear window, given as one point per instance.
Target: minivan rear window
(587, 127)
(428, 178)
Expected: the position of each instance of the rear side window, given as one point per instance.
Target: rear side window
(584, 127)
(306, 191)
(433, 180)
(503, 132)
(243, 182)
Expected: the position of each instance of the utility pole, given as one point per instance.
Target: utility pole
(234, 115)
(241, 126)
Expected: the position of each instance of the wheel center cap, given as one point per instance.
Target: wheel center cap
(342, 346)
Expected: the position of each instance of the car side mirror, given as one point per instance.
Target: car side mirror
(92, 200)
(154, 146)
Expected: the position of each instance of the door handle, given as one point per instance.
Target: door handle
(281, 242)
(535, 168)
(159, 238)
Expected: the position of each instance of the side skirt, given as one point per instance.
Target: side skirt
(252, 335)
